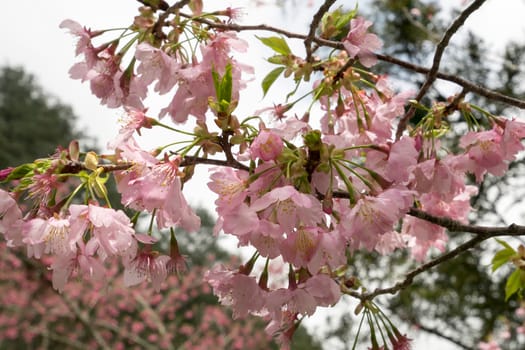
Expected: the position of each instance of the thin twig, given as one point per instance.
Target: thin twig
(472, 87)
(157, 29)
(444, 336)
(436, 61)
(190, 160)
(313, 27)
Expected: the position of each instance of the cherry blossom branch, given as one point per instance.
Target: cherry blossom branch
(436, 61)
(456, 226)
(453, 105)
(313, 26)
(483, 233)
(472, 87)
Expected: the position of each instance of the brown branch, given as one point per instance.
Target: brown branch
(313, 26)
(456, 226)
(482, 234)
(472, 87)
(190, 160)
(436, 61)
(157, 29)
(453, 105)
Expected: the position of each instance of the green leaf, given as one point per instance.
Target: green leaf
(278, 59)
(505, 244)
(277, 44)
(345, 18)
(20, 171)
(223, 87)
(514, 283)
(502, 257)
(270, 78)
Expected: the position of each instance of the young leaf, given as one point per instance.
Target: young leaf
(277, 44)
(515, 282)
(502, 257)
(20, 171)
(270, 78)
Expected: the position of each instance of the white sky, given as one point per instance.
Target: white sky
(32, 39)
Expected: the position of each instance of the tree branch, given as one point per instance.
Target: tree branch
(482, 233)
(313, 26)
(436, 61)
(472, 87)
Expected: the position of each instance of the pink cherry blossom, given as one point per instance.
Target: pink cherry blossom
(230, 186)
(236, 289)
(10, 219)
(299, 246)
(156, 64)
(266, 146)
(485, 152)
(289, 207)
(331, 252)
(360, 43)
(372, 217)
(147, 265)
(134, 120)
(52, 236)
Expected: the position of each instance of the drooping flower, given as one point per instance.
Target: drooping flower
(52, 236)
(147, 265)
(237, 290)
(484, 152)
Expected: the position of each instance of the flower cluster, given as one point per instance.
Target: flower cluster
(308, 191)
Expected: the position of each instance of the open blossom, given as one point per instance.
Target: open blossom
(52, 236)
(155, 64)
(484, 152)
(230, 186)
(240, 291)
(83, 262)
(10, 219)
(84, 35)
(289, 208)
(372, 217)
(111, 230)
(299, 247)
(195, 82)
(266, 146)
(147, 265)
(318, 290)
(360, 43)
(134, 120)
(156, 186)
